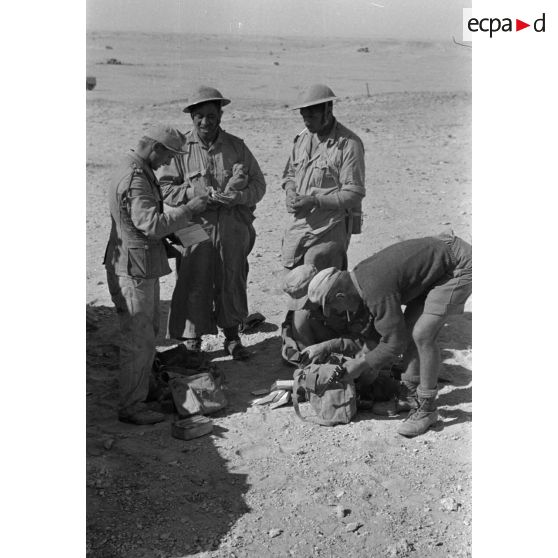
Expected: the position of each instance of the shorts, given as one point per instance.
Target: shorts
(449, 295)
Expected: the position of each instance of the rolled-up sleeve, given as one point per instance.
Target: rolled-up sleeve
(174, 195)
(288, 180)
(173, 186)
(143, 208)
(351, 179)
(255, 189)
(390, 324)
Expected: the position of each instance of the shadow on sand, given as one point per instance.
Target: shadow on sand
(143, 485)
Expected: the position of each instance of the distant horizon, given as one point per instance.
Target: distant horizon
(405, 20)
(282, 36)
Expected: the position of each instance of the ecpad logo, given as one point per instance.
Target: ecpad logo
(492, 25)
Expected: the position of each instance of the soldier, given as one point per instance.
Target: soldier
(211, 284)
(306, 332)
(432, 277)
(135, 258)
(323, 180)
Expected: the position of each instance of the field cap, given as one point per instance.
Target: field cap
(204, 94)
(314, 95)
(321, 285)
(170, 138)
(295, 284)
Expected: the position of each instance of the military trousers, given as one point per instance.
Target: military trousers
(137, 306)
(212, 276)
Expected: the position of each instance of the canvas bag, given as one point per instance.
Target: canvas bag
(332, 396)
(197, 394)
(289, 347)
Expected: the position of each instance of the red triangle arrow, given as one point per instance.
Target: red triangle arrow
(519, 25)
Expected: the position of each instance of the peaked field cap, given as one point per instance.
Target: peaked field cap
(169, 137)
(322, 284)
(314, 95)
(204, 94)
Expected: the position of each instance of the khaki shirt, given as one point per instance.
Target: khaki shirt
(203, 167)
(334, 173)
(139, 222)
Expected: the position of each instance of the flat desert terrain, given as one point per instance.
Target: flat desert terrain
(264, 483)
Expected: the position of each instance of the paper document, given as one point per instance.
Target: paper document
(193, 234)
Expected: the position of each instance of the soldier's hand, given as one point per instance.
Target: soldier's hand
(227, 199)
(236, 183)
(316, 353)
(355, 367)
(290, 196)
(302, 205)
(197, 204)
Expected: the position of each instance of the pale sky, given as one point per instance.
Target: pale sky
(397, 19)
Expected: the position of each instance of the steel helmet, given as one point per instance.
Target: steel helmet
(315, 95)
(203, 94)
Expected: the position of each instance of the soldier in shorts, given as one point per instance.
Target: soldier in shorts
(432, 278)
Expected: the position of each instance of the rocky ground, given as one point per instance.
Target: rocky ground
(264, 483)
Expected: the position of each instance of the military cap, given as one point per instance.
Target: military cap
(204, 94)
(321, 285)
(170, 138)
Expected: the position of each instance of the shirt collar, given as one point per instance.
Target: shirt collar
(194, 138)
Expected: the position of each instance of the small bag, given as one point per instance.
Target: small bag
(331, 395)
(198, 394)
(289, 347)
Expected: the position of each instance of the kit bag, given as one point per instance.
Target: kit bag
(331, 396)
(289, 347)
(199, 394)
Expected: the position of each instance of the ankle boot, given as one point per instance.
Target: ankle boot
(233, 344)
(422, 418)
(406, 400)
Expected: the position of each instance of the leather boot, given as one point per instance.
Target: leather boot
(421, 419)
(233, 344)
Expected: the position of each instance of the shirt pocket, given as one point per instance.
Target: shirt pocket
(325, 175)
(148, 261)
(138, 262)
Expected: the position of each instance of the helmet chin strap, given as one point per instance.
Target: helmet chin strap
(327, 120)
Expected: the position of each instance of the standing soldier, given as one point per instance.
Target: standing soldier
(135, 258)
(323, 180)
(212, 276)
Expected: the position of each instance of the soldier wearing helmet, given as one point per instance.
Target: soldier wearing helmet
(323, 180)
(211, 281)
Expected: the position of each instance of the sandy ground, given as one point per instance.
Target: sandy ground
(265, 484)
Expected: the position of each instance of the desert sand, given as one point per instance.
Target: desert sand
(264, 483)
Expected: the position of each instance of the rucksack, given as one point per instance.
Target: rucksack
(331, 395)
(197, 394)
